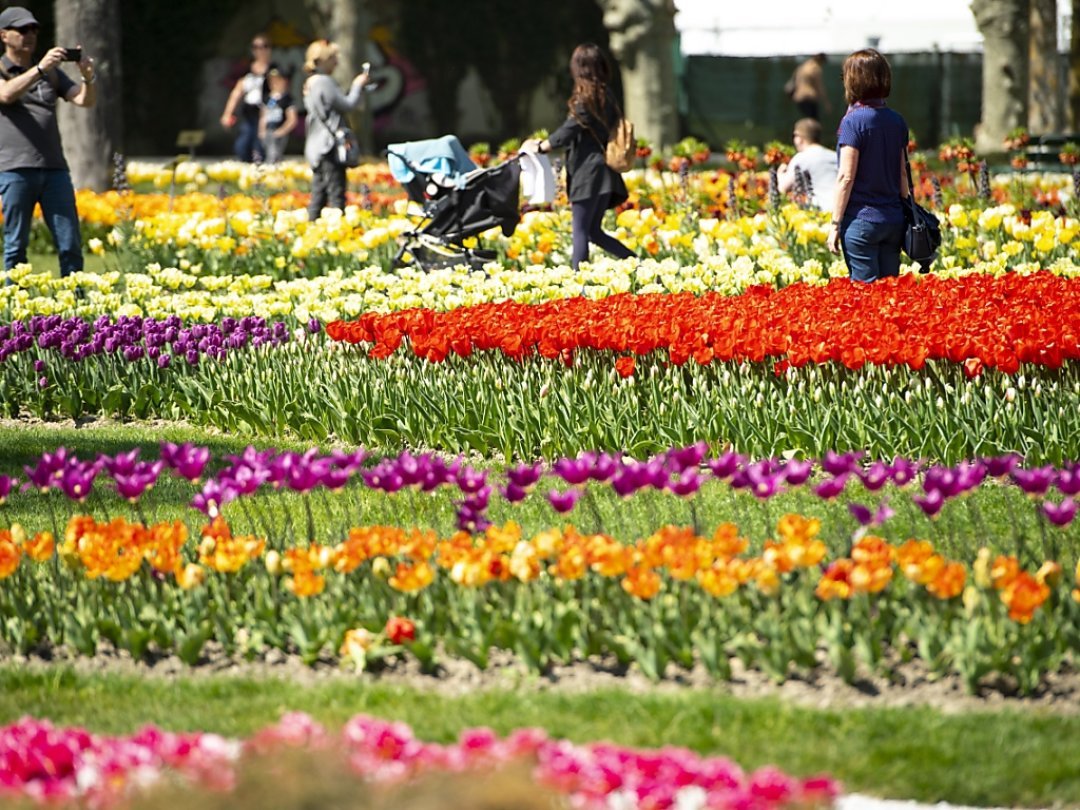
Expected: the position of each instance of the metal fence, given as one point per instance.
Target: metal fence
(725, 97)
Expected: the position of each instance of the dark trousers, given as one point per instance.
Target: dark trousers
(808, 108)
(587, 216)
(248, 147)
(327, 187)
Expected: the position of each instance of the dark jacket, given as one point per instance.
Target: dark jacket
(585, 137)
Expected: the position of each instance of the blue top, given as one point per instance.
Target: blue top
(880, 135)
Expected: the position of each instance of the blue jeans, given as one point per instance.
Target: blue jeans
(586, 219)
(871, 249)
(21, 190)
(248, 147)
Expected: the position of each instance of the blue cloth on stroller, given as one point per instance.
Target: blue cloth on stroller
(445, 156)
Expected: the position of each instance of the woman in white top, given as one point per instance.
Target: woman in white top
(245, 103)
(326, 104)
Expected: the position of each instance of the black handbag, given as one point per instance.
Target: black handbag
(922, 231)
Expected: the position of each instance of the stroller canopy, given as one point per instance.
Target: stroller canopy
(445, 156)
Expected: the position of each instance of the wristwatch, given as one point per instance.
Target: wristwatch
(91, 80)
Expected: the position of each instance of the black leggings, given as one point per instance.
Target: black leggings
(327, 187)
(587, 217)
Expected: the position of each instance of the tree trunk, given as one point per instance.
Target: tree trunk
(1004, 26)
(348, 24)
(91, 136)
(642, 36)
(1044, 98)
(1074, 68)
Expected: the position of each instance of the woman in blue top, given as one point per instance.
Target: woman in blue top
(868, 217)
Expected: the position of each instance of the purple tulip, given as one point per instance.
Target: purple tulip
(7, 483)
(869, 518)
(133, 486)
(563, 502)
(524, 475)
(314, 326)
(77, 480)
(625, 483)
(767, 486)
(831, 487)
(930, 503)
(43, 382)
(605, 466)
(39, 366)
(470, 480)
(121, 463)
(163, 361)
(726, 464)
(875, 476)
(245, 479)
(1067, 481)
(514, 493)
(572, 471)
(797, 472)
(687, 483)
(903, 472)
(840, 463)
(212, 497)
(683, 458)
(1035, 481)
(188, 461)
(1000, 466)
(1060, 514)
(335, 478)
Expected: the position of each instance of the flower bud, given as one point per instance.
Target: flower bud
(380, 567)
(971, 599)
(18, 534)
(1049, 574)
(273, 563)
(981, 568)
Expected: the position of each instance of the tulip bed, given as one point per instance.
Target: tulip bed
(945, 368)
(259, 571)
(44, 762)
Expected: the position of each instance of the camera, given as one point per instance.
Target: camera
(72, 54)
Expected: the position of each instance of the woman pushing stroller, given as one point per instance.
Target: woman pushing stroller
(592, 186)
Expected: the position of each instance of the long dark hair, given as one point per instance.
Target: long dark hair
(591, 73)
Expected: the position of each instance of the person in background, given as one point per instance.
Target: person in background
(592, 186)
(244, 105)
(326, 105)
(809, 90)
(278, 117)
(32, 165)
(868, 216)
(814, 161)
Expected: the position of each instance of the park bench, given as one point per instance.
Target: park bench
(1043, 149)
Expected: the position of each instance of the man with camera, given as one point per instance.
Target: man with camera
(32, 165)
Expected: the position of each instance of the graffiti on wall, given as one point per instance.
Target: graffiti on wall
(398, 100)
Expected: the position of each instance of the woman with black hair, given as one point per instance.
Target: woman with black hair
(592, 186)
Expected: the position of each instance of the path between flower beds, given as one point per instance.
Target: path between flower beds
(1059, 694)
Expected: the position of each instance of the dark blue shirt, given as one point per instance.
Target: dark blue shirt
(880, 135)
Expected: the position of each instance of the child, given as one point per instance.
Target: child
(279, 116)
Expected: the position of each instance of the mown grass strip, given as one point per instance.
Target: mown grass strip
(1005, 758)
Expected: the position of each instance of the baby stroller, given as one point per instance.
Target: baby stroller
(459, 201)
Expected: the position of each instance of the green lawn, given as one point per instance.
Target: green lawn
(1017, 758)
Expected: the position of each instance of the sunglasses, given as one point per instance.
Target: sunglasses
(258, 46)
(26, 29)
